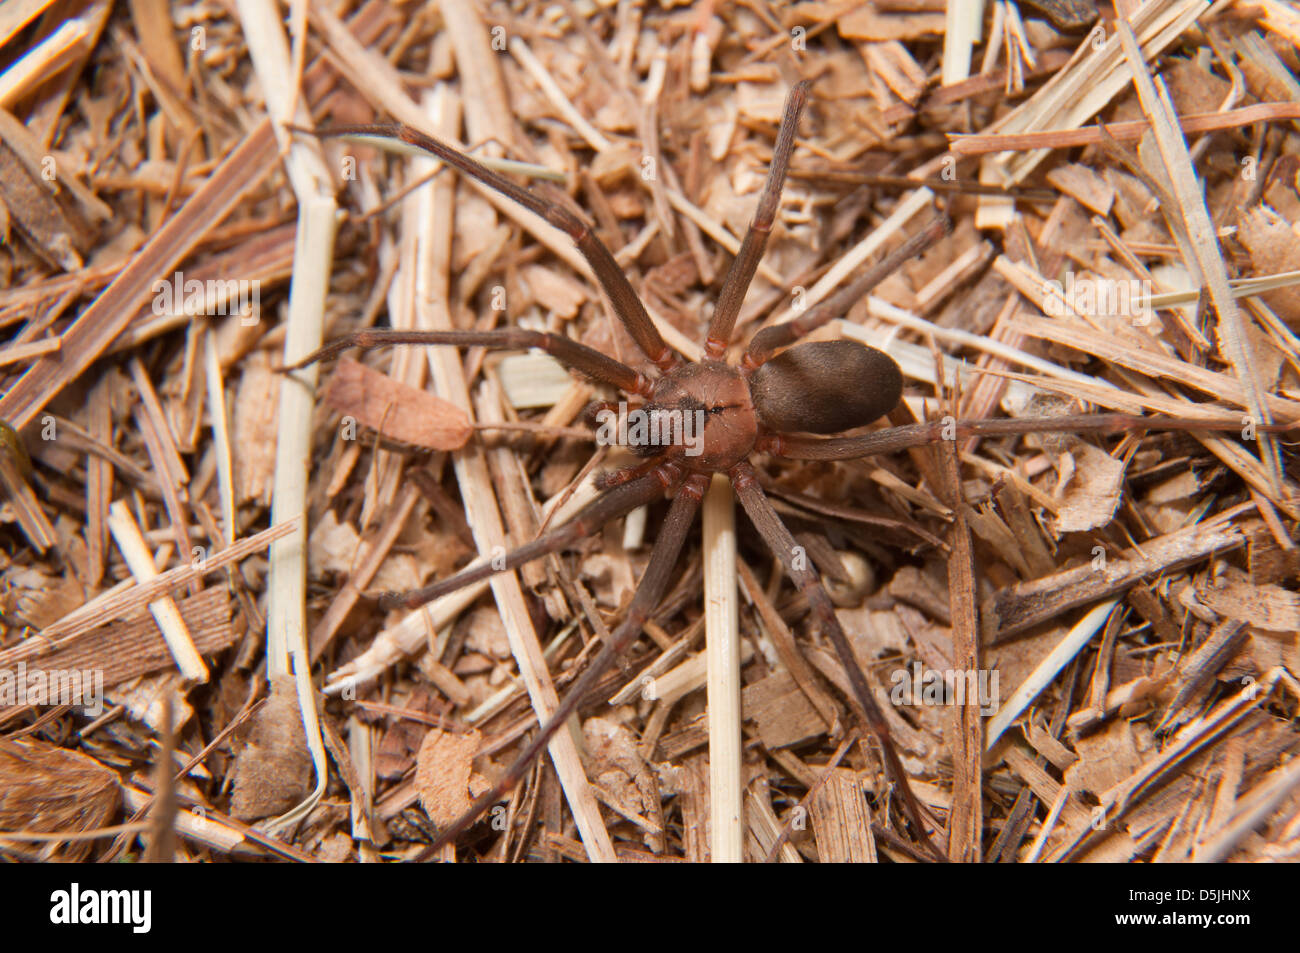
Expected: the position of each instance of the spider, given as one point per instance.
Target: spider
(786, 398)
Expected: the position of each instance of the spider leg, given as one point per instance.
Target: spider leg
(783, 546)
(893, 439)
(771, 339)
(615, 502)
(750, 254)
(621, 295)
(663, 557)
(570, 353)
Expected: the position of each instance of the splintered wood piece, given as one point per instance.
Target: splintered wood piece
(252, 431)
(395, 410)
(763, 827)
(1200, 667)
(1026, 604)
(130, 648)
(52, 231)
(841, 821)
(965, 819)
(18, 492)
(782, 711)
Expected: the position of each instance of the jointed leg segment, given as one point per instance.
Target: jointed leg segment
(800, 447)
(617, 502)
(622, 296)
(782, 544)
(649, 591)
(750, 254)
(570, 353)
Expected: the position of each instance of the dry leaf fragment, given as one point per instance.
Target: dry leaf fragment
(273, 772)
(614, 761)
(445, 775)
(486, 634)
(554, 290)
(398, 411)
(332, 546)
(1085, 186)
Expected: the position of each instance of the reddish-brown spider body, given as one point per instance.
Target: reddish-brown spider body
(713, 413)
(719, 422)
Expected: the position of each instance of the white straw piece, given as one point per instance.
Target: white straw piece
(220, 434)
(722, 633)
(313, 256)
(126, 532)
(1048, 669)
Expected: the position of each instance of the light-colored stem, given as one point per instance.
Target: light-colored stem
(722, 628)
(286, 630)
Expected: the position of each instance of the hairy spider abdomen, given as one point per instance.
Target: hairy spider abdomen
(707, 409)
(825, 387)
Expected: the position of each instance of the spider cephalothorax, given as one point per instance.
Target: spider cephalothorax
(717, 414)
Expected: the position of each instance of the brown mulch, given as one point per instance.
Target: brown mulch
(183, 527)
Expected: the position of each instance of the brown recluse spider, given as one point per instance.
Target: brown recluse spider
(787, 399)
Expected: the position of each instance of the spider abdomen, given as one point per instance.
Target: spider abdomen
(825, 387)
